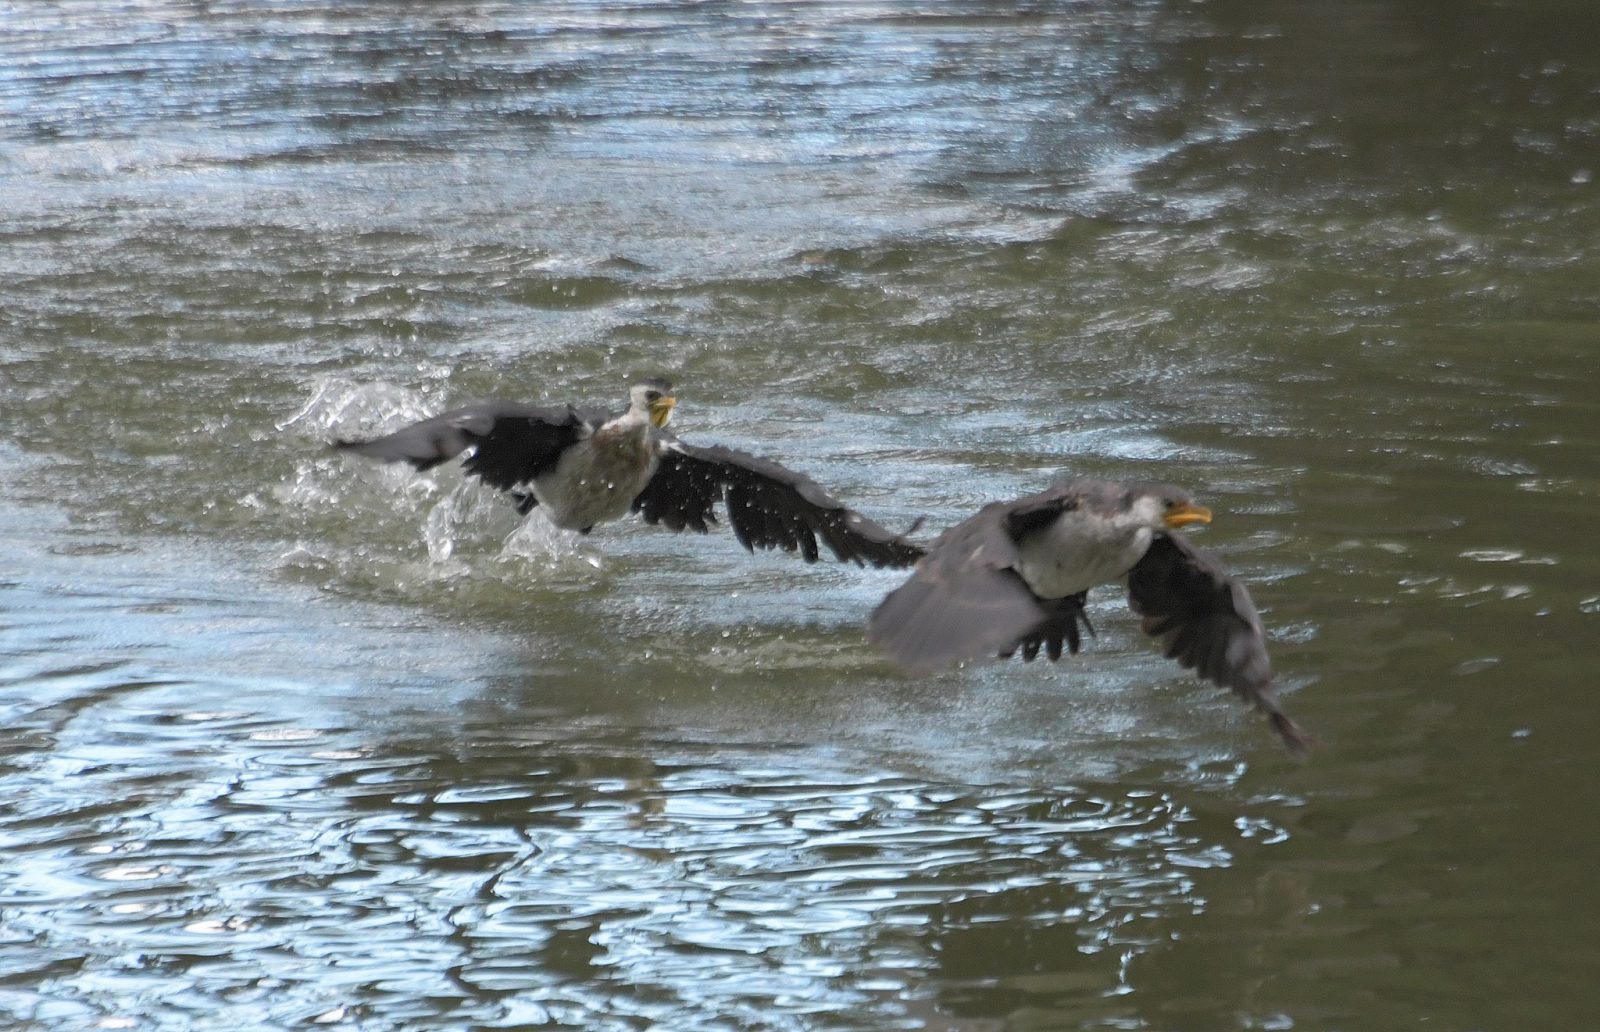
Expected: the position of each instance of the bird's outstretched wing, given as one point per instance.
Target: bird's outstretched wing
(768, 506)
(1205, 619)
(964, 600)
(512, 443)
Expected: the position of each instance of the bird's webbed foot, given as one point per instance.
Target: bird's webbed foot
(1063, 628)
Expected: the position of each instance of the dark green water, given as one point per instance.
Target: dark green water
(290, 742)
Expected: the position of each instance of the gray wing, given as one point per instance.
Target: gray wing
(768, 506)
(964, 600)
(512, 443)
(1205, 619)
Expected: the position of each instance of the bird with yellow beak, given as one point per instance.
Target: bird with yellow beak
(1015, 577)
(584, 466)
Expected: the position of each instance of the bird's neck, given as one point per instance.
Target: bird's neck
(633, 421)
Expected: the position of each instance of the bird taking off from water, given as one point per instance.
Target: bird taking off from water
(584, 466)
(1015, 576)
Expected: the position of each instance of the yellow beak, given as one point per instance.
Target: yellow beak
(661, 410)
(1183, 515)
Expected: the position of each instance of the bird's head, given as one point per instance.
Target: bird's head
(653, 399)
(1164, 507)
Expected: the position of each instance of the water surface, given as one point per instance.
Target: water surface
(294, 742)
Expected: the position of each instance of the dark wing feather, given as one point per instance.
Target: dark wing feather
(512, 443)
(767, 506)
(1063, 628)
(963, 601)
(1205, 619)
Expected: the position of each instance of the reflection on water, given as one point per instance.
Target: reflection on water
(385, 852)
(293, 741)
(587, 885)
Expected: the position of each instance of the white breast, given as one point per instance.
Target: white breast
(1078, 552)
(597, 478)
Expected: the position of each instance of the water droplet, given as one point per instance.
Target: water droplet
(1590, 605)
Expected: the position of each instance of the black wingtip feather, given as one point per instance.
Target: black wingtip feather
(1294, 739)
(1059, 633)
(1206, 621)
(766, 505)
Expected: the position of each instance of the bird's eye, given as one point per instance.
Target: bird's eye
(652, 395)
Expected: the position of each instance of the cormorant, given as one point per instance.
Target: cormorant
(584, 466)
(1015, 575)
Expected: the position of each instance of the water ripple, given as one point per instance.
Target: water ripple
(551, 875)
